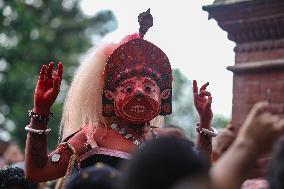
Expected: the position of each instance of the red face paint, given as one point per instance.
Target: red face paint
(137, 100)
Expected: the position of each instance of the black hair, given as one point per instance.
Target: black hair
(162, 163)
(100, 176)
(14, 176)
(275, 175)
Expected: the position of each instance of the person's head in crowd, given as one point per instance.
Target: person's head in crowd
(222, 141)
(276, 168)
(100, 176)
(14, 178)
(174, 126)
(165, 163)
(3, 146)
(12, 154)
(175, 130)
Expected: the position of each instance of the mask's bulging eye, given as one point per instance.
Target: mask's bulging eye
(148, 88)
(128, 89)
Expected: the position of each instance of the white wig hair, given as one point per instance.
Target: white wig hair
(83, 104)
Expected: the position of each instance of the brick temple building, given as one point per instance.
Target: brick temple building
(257, 28)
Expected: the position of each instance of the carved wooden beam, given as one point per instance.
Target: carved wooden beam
(266, 45)
(249, 21)
(255, 67)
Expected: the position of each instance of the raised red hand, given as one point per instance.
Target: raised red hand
(202, 102)
(47, 88)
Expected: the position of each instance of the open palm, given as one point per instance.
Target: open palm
(47, 89)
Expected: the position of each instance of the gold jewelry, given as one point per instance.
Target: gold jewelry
(71, 148)
(71, 163)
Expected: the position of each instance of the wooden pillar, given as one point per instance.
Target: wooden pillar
(257, 28)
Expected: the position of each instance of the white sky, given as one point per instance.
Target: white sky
(195, 45)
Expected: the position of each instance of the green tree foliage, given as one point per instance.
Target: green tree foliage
(35, 32)
(184, 113)
(219, 121)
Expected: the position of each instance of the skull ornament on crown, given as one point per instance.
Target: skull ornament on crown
(137, 79)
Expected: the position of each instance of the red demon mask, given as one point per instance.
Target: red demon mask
(137, 81)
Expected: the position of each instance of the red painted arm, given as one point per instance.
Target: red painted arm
(202, 102)
(39, 166)
(45, 94)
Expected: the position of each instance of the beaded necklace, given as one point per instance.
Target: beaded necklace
(126, 135)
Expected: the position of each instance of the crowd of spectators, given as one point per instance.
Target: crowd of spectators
(174, 163)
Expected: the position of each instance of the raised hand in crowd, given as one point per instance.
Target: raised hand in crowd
(261, 128)
(47, 89)
(202, 103)
(258, 133)
(36, 158)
